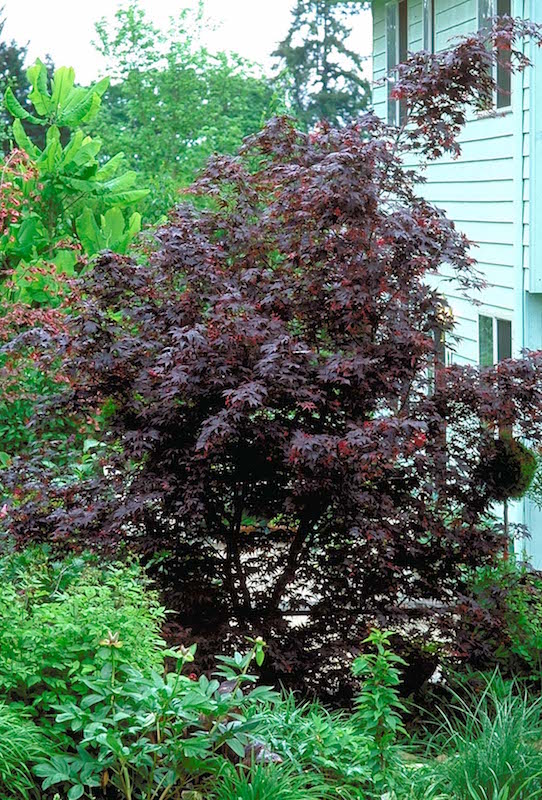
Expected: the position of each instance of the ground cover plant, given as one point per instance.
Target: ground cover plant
(484, 744)
(96, 705)
(274, 414)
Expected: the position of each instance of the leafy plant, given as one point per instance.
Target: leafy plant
(67, 176)
(488, 745)
(22, 744)
(60, 203)
(274, 426)
(315, 740)
(379, 706)
(501, 619)
(53, 615)
(150, 735)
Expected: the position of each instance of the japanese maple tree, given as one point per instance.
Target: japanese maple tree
(279, 433)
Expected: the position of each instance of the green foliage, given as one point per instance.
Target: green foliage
(379, 706)
(489, 746)
(22, 744)
(316, 740)
(59, 205)
(149, 734)
(503, 619)
(325, 77)
(112, 234)
(66, 179)
(173, 104)
(54, 614)
(268, 782)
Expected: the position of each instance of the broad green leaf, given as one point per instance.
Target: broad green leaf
(63, 81)
(134, 224)
(101, 86)
(23, 141)
(113, 225)
(37, 76)
(39, 96)
(80, 107)
(65, 261)
(73, 146)
(108, 170)
(121, 182)
(88, 232)
(126, 198)
(16, 110)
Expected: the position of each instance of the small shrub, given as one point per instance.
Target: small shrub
(311, 738)
(53, 615)
(149, 736)
(501, 620)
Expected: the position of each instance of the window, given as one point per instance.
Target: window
(396, 51)
(494, 340)
(428, 24)
(487, 9)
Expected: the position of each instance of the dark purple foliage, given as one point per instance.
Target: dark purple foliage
(278, 422)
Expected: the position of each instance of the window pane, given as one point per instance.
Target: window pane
(504, 76)
(485, 13)
(392, 55)
(403, 47)
(485, 339)
(504, 339)
(428, 25)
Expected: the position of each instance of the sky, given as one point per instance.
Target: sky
(65, 28)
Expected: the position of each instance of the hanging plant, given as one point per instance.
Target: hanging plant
(508, 467)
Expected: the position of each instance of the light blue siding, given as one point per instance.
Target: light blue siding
(493, 192)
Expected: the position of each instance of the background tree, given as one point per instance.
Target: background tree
(171, 103)
(326, 77)
(13, 76)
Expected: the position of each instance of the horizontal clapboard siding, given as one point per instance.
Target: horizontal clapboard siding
(479, 190)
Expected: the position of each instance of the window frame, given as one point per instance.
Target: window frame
(395, 109)
(502, 96)
(496, 323)
(428, 25)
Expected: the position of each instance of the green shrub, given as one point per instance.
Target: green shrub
(311, 738)
(22, 744)
(501, 623)
(268, 782)
(149, 736)
(489, 746)
(53, 616)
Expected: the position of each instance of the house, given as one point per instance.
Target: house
(493, 191)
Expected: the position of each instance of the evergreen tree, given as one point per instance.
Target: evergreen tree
(326, 76)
